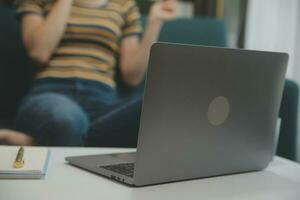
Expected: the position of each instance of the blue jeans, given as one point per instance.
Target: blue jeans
(75, 112)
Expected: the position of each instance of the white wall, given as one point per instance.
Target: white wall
(274, 25)
(231, 17)
(297, 49)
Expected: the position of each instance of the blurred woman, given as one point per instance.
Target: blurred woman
(78, 46)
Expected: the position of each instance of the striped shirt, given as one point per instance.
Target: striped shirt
(90, 45)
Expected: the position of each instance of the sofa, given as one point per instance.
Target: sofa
(16, 72)
(15, 68)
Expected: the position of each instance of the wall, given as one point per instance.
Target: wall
(231, 17)
(274, 25)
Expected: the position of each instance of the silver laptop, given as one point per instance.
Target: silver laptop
(207, 111)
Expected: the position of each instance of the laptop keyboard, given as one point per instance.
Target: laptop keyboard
(124, 169)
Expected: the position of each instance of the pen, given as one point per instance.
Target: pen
(19, 162)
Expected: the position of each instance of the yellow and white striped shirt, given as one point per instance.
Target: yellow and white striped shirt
(90, 45)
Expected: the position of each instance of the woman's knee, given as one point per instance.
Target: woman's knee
(53, 119)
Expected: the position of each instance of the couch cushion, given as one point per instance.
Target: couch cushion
(196, 31)
(15, 69)
(287, 146)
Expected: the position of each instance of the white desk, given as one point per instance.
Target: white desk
(281, 180)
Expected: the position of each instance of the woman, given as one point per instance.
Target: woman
(76, 45)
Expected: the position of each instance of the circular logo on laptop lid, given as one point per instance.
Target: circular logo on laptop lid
(218, 111)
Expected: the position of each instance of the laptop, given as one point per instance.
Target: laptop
(207, 111)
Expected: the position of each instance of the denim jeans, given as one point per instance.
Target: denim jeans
(73, 112)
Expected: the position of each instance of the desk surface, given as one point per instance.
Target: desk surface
(281, 180)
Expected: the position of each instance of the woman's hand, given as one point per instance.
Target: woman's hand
(10, 137)
(135, 54)
(42, 34)
(163, 11)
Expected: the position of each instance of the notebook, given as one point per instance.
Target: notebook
(35, 162)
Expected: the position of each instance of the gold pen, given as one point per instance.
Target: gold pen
(19, 162)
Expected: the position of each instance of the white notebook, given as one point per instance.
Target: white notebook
(35, 162)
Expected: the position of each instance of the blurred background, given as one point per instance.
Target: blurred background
(272, 25)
